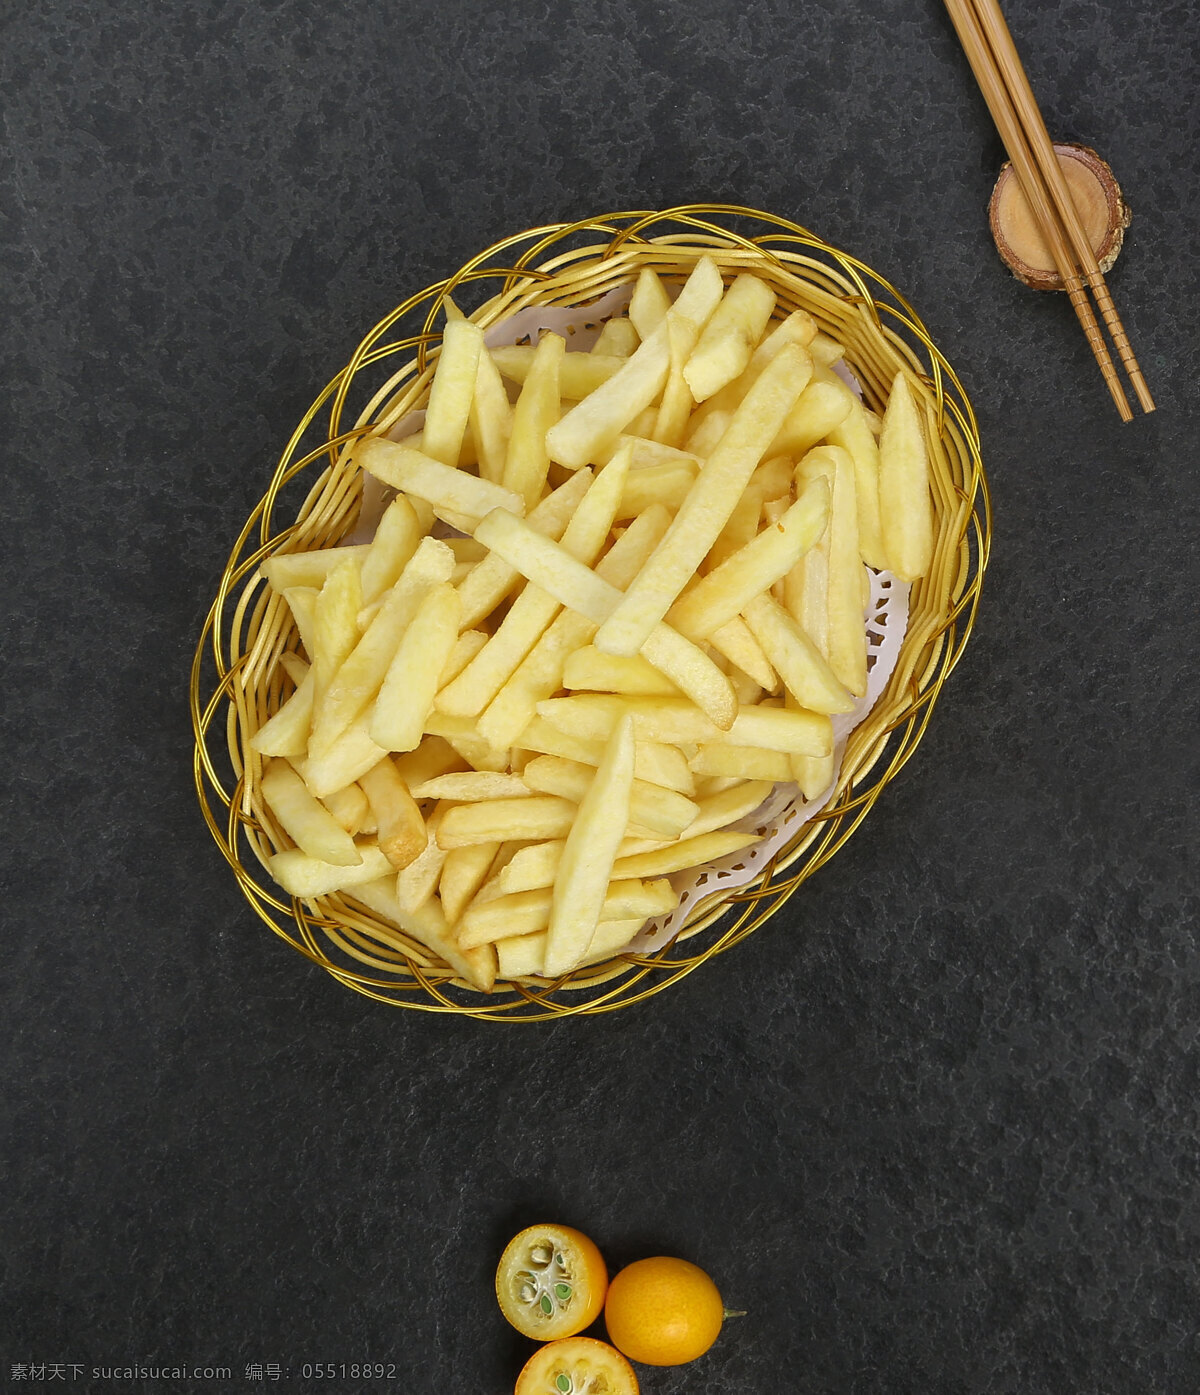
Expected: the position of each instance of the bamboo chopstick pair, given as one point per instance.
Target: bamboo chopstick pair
(993, 57)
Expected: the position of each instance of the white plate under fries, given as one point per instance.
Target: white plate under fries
(781, 815)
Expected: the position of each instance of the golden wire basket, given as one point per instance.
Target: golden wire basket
(235, 680)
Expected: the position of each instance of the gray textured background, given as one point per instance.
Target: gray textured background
(936, 1126)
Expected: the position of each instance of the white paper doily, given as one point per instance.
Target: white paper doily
(779, 818)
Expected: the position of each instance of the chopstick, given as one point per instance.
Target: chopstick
(992, 55)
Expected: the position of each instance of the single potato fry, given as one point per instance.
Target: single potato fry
(469, 786)
(494, 820)
(454, 494)
(729, 338)
(306, 877)
(408, 691)
(399, 822)
(579, 374)
(527, 460)
(590, 670)
(287, 569)
(452, 390)
(397, 537)
(305, 819)
(796, 658)
(581, 885)
(906, 507)
(847, 638)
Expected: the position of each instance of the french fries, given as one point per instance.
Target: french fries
(512, 743)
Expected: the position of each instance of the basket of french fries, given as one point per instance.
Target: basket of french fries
(589, 610)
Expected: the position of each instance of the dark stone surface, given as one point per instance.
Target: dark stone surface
(936, 1127)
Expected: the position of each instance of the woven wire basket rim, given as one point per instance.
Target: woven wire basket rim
(840, 291)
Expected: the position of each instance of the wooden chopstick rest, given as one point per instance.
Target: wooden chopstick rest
(1095, 193)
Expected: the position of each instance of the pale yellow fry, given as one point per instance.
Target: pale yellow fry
(728, 806)
(287, 569)
(795, 328)
(689, 852)
(427, 925)
(618, 338)
(286, 733)
(726, 591)
(819, 408)
(452, 391)
(433, 757)
(662, 811)
(536, 866)
(739, 646)
(305, 876)
(654, 761)
(587, 669)
(853, 433)
(454, 494)
(906, 506)
(302, 602)
(783, 729)
(463, 734)
(399, 823)
(360, 676)
(729, 338)
(774, 480)
(581, 885)
(813, 774)
(348, 758)
(534, 609)
(707, 506)
(304, 818)
(741, 762)
(540, 672)
(675, 408)
(578, 373)
(527, 459)
(825, 349)
(592, 717)
(796, 658)
(847, 638)
(549, 566)
(463, 873)
(587, 432)
(334, 625)
(416, 883)
(466, 646)
(649, 303)
(657, 484)
(704, 433)
(350, 807)
(407, 695)
(491, 419)
(467, 786)
(647, 452)
(482, 590)
(396, 539)
(528, 912)
(806, 586)
(492, 820)
(523, 956)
